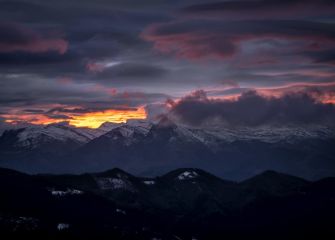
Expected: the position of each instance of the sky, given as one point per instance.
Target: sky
(248, 62)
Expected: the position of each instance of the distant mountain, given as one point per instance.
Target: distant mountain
(34, 136)
(151, 149)
(41, 145)
(272, 182)
(185, 203)
(234, 154)
(38, 136)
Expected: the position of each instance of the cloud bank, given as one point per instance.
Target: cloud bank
(252, 109)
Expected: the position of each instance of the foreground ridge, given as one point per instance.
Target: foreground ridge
(187, 203)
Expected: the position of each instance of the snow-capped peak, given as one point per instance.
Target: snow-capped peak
(36, 135)
(127, 130)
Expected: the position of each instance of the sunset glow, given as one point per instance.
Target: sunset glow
(90, 120)
(94, 120)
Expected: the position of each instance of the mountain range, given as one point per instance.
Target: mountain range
(185, 203)
(150, 149)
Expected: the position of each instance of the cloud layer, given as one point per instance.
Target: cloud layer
(252, 109)
(91, 56)
(17, 38)
(262, 9)
(199, 39)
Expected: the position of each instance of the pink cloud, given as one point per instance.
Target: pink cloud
(220, 40)
(94, 67)
(190, 45)
(15, 37)
(322, 92)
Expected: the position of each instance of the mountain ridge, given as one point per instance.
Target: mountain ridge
(151, 148)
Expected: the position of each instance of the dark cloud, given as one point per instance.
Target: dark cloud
(88, 110)
(201, 39)
(30, 92)
(92, 33)
(327, 56)
(132, 70)
(262, 9)
(252, 109)
(72, 110)
(28, 59)
(33, 111)
(58, 116)
(15, 37)
(47, 47)
(155, 111)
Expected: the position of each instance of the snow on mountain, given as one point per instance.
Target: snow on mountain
(107, 126)
(127, 133)
(60, 193)
(62, 226)
(125, 130)
(142, 125)
(149, 182)
(118, 210)
(36, 135)
(211, 136)
(114, 183)
(111, 183)
(187, 175)
(269, 134)
(32, 136)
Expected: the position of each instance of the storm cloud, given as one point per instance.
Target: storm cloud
(252, 109)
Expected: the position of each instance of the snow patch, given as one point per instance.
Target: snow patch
(187, 175)
(120, 211)
(149, 182)
(22, 223)
(113, 183)
(62, 226)
(60, 193)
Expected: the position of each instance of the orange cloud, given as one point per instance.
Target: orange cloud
(38, 119)
(90, 119)
(94, 120)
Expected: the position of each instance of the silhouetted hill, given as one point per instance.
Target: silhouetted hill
(182, 204)
(274, 183)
